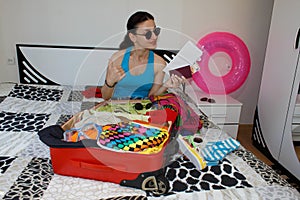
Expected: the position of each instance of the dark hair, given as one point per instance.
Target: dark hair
(133, 21)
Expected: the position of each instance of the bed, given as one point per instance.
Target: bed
(25, 161)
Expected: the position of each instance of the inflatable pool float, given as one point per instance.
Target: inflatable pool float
(224, 65)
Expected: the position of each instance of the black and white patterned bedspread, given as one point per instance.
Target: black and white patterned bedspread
(26, 171)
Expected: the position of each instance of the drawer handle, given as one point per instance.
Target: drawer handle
(219, 116)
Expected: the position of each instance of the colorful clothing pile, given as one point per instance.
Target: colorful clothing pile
(133, 137)
(186, 118)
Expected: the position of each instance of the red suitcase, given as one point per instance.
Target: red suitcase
(86, 159)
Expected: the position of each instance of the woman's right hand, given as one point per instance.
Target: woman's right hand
(174, 81)
(114, 73)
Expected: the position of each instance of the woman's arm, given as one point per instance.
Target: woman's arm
(159, 86)
(107, 90)
(114, 74)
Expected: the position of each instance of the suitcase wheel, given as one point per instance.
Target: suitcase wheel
(157, 185)
(152, 182)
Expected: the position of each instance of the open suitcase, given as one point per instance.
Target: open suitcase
(86, 159)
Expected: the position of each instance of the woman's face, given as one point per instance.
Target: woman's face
(144, 36)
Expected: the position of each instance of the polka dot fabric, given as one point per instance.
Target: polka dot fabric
(18, 122)
(35, 93)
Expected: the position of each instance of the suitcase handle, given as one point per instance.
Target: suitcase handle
(100, 167)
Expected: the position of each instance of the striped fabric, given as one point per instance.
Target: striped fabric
(216, 151)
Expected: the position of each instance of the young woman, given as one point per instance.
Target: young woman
(135, 71)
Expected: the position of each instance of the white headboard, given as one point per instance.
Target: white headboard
(66, 65)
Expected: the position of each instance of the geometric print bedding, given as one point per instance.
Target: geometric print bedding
(265, 171)
(18, 122)
(185, 177)
(35, 178)
(35, 93)
(5, 163)
(32, 181)
(28, 174)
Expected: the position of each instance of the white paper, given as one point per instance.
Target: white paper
(188, 55)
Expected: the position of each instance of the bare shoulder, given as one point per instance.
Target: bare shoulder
(158, 59)
(160, 63)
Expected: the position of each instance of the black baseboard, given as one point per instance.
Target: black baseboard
(285, 174)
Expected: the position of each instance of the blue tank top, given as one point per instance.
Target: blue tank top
(135, 86)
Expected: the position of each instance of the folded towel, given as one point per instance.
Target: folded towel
(216, 151)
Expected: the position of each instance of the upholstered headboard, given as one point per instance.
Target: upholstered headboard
(67, 65)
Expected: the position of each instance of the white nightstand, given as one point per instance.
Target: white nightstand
(225, 112)
(296, 121)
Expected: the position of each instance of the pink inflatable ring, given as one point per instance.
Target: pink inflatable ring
(236, 50)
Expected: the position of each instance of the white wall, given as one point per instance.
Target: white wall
(102, 23)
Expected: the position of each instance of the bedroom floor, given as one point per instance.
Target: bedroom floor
(244, 137)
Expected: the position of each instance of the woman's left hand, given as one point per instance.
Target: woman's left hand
(174, 81)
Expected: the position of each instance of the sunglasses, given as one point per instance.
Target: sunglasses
(139, 106)
(88, 131)
(208, 100)
(194, 140)
(148, 34)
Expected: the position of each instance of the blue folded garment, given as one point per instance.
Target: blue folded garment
(216, 151)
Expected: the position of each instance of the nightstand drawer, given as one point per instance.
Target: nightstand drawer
(296, 136)
(296, 120)
(225, 112)
(296, 128)
(297, 111)
(222, 115)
